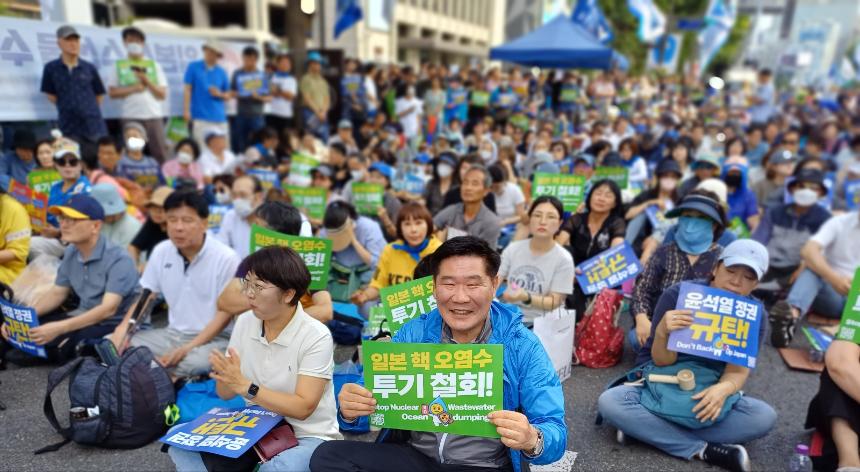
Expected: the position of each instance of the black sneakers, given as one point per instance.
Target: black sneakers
(728, 456)
(781, 324)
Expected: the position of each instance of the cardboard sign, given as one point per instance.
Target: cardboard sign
(19, 320)
(310, 199)
(126, 76)
(216, 215)
(227, 432)
(405, 301)
(608, 269)
(316, 252)
(570, 189)
(616, 174)
(434, 387)
(34, 202)
(367, 198)
(41, 180)
(725, 325)
(268, 178)
(849, 327)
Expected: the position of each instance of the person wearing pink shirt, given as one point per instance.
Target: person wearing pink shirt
(184, 164)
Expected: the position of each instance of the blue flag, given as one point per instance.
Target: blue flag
(348, 13)
(652, 22)
(720, 18)
(589, 15)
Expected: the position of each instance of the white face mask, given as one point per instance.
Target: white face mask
(805, 197)
(356, 174)
(184, 158)
(222, 198)
(135, 144)
(668, 184)
(243, 207)
(135, 49)
(486, 155)
(444, 170)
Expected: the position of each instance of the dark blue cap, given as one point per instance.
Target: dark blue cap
(80, 207)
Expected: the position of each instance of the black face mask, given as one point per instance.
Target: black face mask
(733, 180)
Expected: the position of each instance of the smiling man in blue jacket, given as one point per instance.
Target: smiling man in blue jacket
(531, 426)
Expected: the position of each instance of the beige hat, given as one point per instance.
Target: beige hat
(158, 196)
(718, 187)
(341, 238)
(215, 46)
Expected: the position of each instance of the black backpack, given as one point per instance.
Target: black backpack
(131, 397)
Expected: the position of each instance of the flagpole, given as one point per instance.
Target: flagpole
(322, 6)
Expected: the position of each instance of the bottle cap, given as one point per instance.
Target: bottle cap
(802, 449)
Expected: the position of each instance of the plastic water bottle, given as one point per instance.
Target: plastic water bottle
(800, 461)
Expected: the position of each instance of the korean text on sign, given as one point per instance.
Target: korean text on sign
(268, 178)
(567, 188)
(405, 301)
(216, 215)
(434, 387)
(35, 203)
(226, 432)
(616, 174)
(725, 325)
(315, 252)
(849, 327)
(310, 199)
(367, 197)
(608, 269)
(19, 320)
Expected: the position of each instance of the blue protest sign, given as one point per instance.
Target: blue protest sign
(852, 194)
(268, 178)
(224, 431)
(655, 216)
(725, 325)
(19, 320)
(249, 82)
(216, 214)
(608, 269)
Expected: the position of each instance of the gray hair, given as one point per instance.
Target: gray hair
(488, 179)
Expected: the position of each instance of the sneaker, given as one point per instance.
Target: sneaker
(620, 437)
(782, 324)
(728, 456)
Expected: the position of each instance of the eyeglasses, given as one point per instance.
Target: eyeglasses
(252, 289)
(71, 162)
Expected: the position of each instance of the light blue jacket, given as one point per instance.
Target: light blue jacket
(531, 384)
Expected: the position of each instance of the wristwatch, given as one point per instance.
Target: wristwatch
(529, 299)
(252, 390)
(538, 450)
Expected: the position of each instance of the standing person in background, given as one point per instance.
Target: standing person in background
(315, 97)
(353, 95)
(141, 101)
(251, 90)
(409, 109)
(206, 89)
(75, 87)
(434, 106)
(284, 88)
(457, 102)
(762, 104)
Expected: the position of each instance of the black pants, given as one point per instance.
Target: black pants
(360, 456)
(62, 348)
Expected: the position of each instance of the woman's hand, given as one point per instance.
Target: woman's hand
(359, 297)
(355, 401)
(228, 371)
(514, 294)
(643, 328)
(673, 320)
(711, 401)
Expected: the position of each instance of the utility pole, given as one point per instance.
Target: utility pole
(297, 28)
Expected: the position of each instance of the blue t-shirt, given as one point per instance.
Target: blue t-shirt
(58, 197)
(203, 105)
(12, 167)
(146, 172)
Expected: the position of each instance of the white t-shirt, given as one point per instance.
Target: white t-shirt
(838, 237)
(191, 293)
(236, 232)
(537, 274)
(280, 106)
(142, 105)
(410, 122)
(212, 166)
(304, 347)
(506, 203)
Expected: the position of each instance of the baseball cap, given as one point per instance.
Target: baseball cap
(383, 169)
(707, 206)
(108, 197)
(667, 166)
(215, 46)
(80, 207)
(314, 56)
(813, 176)
(782, 157)
(746, 252)
(159, 196)
(323, 169)
(584, 158)
(67, 31)
(67, 146)
(344, 124)
(213, 132)
(706, 159)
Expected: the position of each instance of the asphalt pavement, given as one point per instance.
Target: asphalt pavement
(25, 429)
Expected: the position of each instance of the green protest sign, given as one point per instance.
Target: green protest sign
(405, 301)
(311, 199)
(480, 99)
(375, 320)
(520, 121)
(615, 174)
(446, 388)
(316, 252)
(740, 228)
(177, 129)
(301, 166)
(41, 180)
(367, 198)
(567, 188)
(849, 327)
(126, 76)
(569, 95)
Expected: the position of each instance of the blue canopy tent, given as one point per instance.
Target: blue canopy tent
(561, 43)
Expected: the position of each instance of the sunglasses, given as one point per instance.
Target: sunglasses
(70, 162)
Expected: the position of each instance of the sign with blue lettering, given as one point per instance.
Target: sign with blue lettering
(852, 194)
(725, 325)
(19, 320)
(608, 269)
(224, 431)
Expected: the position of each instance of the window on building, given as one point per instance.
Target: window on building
(179, 13)
(227, 14)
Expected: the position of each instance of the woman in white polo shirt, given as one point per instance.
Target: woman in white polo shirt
(279, 358)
